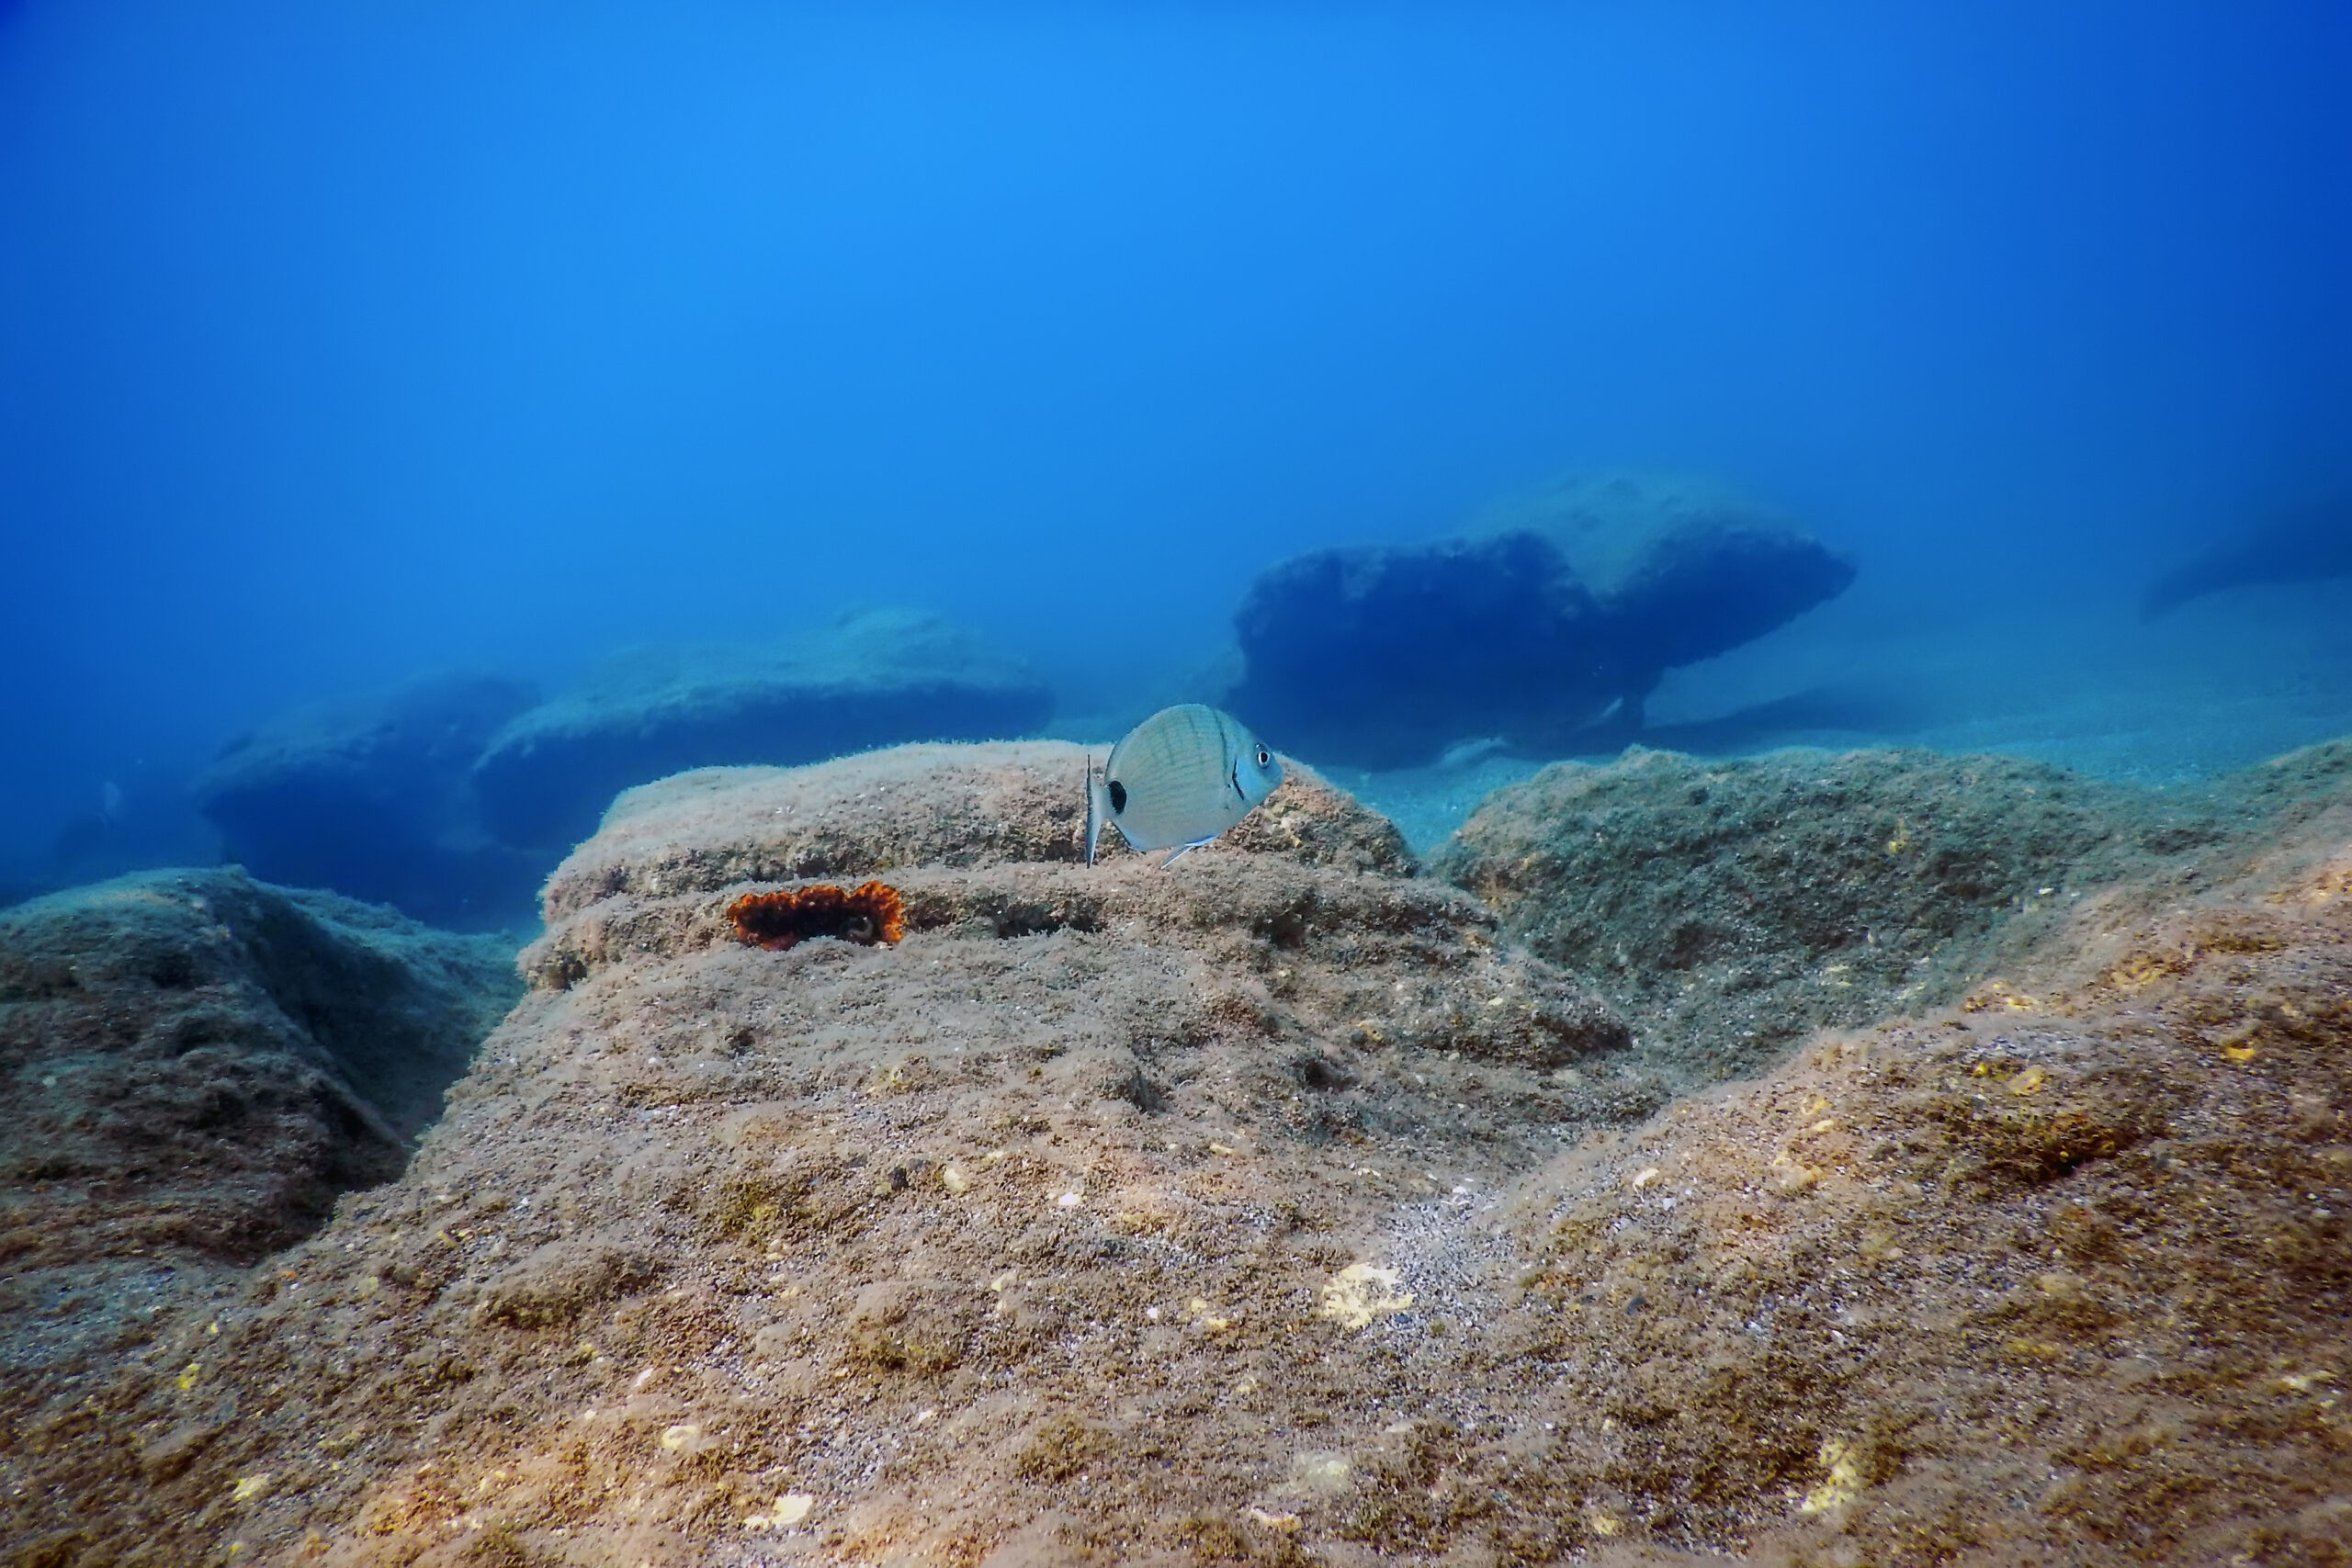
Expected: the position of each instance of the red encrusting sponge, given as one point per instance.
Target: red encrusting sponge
(866, 915)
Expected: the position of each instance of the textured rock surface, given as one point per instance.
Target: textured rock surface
(1733, 906)
(1560, 609)
(373, 798)
(2059, 1277)
(812, 1187)
(202, 1061)
(197, 1064)
(1276, 1208)
(873, 678)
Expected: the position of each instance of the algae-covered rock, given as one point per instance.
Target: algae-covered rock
(1279, 1206)
(915, 806)
(2061, 1276)
(1025, 1191)
(1733, 907)
(873, 678)
(198, 1065)
(202, 1061)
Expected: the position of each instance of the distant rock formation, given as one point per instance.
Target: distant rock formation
(453, 797)
(373, 797)
(2307, 544)
(1555, 612)
(873, 678)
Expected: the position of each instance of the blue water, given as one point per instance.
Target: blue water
(342, 343)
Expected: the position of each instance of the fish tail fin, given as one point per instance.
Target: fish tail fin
(1093, 809)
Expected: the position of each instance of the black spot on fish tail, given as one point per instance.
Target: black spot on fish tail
(1118, 795)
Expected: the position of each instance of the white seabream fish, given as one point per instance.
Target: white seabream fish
(1178, 780)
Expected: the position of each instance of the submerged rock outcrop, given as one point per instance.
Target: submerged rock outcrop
(1277, 1206)
(1559, 611)
(1733, 906)
(198, 1064)
(204, 1061)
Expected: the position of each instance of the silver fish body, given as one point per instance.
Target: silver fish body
(1178, 780)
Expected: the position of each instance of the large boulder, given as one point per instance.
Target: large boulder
(201, 1062)
(1274, 1207)
(1554, 612)
(1733, 907)
(873, 678)
(373, 797)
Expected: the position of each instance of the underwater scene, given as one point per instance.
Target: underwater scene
(1180, 784)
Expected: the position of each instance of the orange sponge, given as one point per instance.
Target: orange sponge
(866, 915)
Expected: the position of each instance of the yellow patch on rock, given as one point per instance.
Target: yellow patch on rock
(1360, 1292)
(791, 1508)
(1840, 1486)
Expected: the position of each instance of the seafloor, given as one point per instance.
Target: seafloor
(1298, 1204)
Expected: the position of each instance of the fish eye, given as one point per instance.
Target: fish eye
(1264, 760)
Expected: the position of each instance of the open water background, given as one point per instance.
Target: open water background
(341, 343)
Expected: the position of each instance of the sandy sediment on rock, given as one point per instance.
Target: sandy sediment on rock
(202, 1061)
(198, 1064)
(2061, 1275)
(1270, 1207)
(934, 1234)
(1733, 906)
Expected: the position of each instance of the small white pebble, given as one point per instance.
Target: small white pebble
(1068, 1200)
